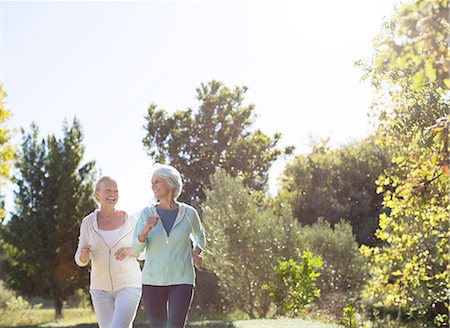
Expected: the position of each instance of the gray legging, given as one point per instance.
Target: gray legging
(175, 299)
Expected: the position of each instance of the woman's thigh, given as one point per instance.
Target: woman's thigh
(180, 297)
(103, 302)
(155, 303)
(126, 304)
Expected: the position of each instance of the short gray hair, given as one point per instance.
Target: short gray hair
(171, 175)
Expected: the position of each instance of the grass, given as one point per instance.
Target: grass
(71, 316)
(85, 318)
(264, 323)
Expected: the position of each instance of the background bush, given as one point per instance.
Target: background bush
(15, 310)
(343, 273)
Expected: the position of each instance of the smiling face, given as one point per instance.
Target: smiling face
(161, 188)
(107, 193)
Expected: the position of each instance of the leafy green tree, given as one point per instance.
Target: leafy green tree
(54, 193)
(410, 71)
(218, 134)
(6, 150)
(294, 286)
(245, 242)
(337, 184)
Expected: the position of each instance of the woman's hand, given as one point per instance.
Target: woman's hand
(122, 253)
(151, 222)
(197, 259)
(85, 253)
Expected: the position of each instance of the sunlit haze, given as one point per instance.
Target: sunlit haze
(106, 62)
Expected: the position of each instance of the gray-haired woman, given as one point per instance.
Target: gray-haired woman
(172, 235)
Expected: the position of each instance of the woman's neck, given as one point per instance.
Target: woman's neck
(167, 203)
(108, 211)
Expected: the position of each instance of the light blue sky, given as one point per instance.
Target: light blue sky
(106, 62)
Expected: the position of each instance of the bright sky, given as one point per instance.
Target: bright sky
(106, 62)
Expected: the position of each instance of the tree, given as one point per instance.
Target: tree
(410, 71)
(6, 150)
(337, 184)
(218, 134)
(245, 242)
(54, 193)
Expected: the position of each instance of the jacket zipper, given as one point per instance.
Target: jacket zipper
(109, 256)
(109, 259)
(167, 241)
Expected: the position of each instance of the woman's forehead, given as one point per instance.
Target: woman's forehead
(109, 184)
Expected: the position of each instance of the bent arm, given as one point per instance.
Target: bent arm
(198, 232)
(81, 259)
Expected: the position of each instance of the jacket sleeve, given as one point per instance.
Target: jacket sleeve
(198, 232)
(83, 239)
(133, 221)
(138, 246)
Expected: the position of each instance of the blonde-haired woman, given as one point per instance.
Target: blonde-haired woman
(173, 237)
(105, 241)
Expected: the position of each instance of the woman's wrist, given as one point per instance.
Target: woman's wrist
(197, 250)
(144, 234)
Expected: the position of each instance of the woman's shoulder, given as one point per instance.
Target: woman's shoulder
(144, 213)
(89, 220)
(123, 214)
(90, 217)
(188, 208)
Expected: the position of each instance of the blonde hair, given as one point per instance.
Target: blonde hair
(99, 184)
(171, 175)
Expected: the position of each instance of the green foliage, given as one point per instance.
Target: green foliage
(54, 193)
(15, 310)
(245, 241)
(6, 150)
(218, 134)
(414, 40)
(413, 45)
(294, 286)
(344, 272)
(410, 271)
(349, 317)
(337, 184)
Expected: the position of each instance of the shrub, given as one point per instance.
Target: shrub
(245, 240)
(15, 310)
(344, 271)
(294, 285)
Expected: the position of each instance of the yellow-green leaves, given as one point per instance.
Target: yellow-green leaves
(411, 268)
(6, 150)
(418, 80)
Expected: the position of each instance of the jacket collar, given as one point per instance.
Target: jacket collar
(127, 225)
(181, 211)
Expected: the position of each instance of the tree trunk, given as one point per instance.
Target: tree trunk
(58, 305)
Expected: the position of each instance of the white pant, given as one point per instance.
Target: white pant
(116, 309)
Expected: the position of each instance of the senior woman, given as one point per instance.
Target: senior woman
(173, 237)
(105, 240)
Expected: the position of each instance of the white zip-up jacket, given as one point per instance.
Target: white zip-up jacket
(107, 273)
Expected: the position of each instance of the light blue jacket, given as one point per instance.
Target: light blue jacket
(168, 258)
